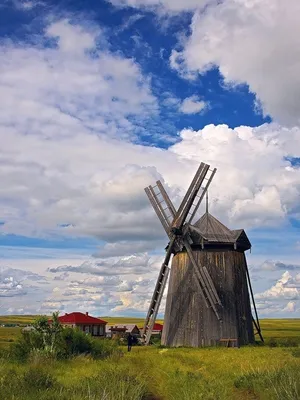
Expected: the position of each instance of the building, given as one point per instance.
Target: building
(84, 322)
(157, 329)
(122, 330)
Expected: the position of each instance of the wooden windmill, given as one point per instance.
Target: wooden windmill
(208, 300)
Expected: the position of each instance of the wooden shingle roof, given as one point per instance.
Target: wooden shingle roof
(209, 230)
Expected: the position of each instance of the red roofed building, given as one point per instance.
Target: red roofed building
(86, 323)
(157, 329)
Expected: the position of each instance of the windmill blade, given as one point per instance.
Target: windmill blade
(158, 209)
(200, 198)
(166, 197)
(204, 281)
(188, 208)
(157, 294)
(162, 205)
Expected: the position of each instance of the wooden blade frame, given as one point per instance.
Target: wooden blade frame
(157, 295)
(190, 196)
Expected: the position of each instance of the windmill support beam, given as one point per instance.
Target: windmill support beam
(256, 322)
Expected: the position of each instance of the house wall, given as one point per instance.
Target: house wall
(94, 330)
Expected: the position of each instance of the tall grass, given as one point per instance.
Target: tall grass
(161, 374)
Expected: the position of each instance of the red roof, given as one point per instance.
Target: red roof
(80, 318)
(157, 327)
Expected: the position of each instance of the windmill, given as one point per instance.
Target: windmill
(208, 299)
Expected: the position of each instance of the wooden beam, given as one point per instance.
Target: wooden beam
(202, 195)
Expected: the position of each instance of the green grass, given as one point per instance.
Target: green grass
(248, 373)
(17, 319)
(8, 335)
(165, 374)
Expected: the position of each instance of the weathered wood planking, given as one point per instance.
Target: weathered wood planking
(188, 322)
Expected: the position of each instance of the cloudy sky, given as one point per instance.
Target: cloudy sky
(100, 99)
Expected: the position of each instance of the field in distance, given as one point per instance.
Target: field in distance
(271, 328)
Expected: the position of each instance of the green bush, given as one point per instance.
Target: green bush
(75, 342)
(56, 342)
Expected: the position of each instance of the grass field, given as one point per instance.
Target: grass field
(154, 373)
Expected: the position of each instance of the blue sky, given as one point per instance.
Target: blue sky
(101, 98)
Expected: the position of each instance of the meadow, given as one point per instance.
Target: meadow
(258, 372)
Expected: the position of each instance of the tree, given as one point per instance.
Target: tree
(49, 332)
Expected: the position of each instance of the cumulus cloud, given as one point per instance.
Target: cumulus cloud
(287, 288)
(252, 42)
(15, 282)
(290, 307)
(192, 105)
(61, 186)
(249, 155)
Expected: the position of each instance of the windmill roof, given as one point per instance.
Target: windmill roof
(211, 230)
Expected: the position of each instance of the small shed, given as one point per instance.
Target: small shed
(122, 330)
(84, 322)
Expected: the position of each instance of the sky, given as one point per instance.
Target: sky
(99, 99)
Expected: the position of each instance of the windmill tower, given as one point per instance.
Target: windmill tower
(208, 299)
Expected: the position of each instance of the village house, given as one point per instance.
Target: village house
(86, 323)
(114, 331)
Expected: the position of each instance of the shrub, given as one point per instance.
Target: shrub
(50, 342)
(75, 342)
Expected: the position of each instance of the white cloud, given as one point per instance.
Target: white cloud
(287, 287)
(253, 42)
(16, 282)
(192, 105)
(90, 184)
(290, 307)
(134, 264)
